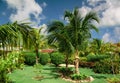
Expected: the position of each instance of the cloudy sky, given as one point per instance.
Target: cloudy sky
(41, 12)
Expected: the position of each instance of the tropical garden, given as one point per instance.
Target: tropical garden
(66, 54)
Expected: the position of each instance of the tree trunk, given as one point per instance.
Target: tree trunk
(66, 62)
(76, 62)
(37, 56)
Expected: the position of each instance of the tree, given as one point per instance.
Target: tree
(12, 34)
(58, 35)
(80, 28)
(96, 46)
(72, 36)
(37, 40)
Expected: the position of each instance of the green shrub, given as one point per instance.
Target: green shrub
(8, 64)
(106, 66)
(44, 58)
(86, 64)
(94, 58)
(66, 71)
(57, 58)
(83, 59)
(30, 58)
(78, 76)
(113, 80)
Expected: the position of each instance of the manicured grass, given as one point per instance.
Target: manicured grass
(50, 76)
(99, 78)
(27, 75)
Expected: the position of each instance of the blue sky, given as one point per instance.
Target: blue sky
(41, 12)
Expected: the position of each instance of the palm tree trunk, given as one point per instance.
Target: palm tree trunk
(37, 56)
(66, 62)
(76, 62)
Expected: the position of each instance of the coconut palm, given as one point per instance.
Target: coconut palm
(80, 28)
(11, 34)
(37, 41)
(73, 35)
(58, 34)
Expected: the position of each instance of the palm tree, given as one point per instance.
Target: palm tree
(96, 46)
(37, 41)
(58, 34)
(80, 28)
(11, 33)
(72, 36)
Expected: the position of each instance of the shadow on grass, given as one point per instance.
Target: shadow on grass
(98, 76)
(52, 74)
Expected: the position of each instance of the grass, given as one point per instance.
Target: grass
(29, 73)
(48, 75)
(99, 78)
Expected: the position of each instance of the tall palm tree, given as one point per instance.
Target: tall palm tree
(11, 33)
(80, 28)
(37, 41)
(72, 36)
(58, 34)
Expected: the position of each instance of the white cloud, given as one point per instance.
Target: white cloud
(109, 11)
(25, 9)
(44, 27)
(94, 2)
(84, 10)
(112, 36)
(107, 38)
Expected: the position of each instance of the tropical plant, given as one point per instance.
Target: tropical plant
(58, 36)
(44, 58)
(74, 34)
(37, 41)
(66, 72)
(57, 58)
(14, 35)
(8, 64)
(80, 30)
(113, 80)
(30, 58)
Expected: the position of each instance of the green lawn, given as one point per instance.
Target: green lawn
(50, 76)
(27, 75)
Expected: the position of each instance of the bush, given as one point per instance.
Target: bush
(113, 80)
(57, 58)
(96, 58)
(106, 66)
(8, 64)
(66, 71)
(78, 76)
(44, 58)
(86, 64)
(30, 58)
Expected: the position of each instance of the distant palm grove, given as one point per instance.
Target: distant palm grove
(68, 43)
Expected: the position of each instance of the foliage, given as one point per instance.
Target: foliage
(12, 61)
(106, 66)
(44, 58)
(113, 80)
(66, 71)
(57, 58)
(30, 58)
(78, 76)
(73, 36)
(95, 58)
(86, 64)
